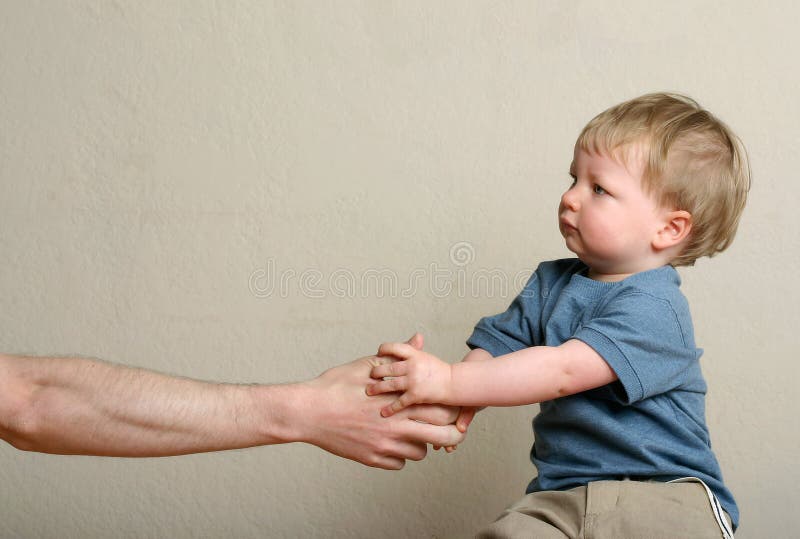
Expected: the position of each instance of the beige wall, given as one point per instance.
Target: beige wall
(157, 158)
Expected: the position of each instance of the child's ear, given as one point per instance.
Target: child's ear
(677, 225)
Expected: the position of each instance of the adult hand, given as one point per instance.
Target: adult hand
(341, 419)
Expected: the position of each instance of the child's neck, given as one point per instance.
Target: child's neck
(607, 277)
(616, 277)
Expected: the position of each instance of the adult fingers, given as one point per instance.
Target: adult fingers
(435, 414)
(435, 435)
(385, 462)
(410, 450)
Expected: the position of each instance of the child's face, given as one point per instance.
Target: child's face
(606, 218)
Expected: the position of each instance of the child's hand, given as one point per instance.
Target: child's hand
(421, 377)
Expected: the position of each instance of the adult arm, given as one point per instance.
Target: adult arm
(85, 406)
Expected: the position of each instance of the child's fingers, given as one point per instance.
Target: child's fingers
(388, 386)
(400, 350)
(417, 341)
(403, 401)
(465, 417)
(398, 368)
(450, 448)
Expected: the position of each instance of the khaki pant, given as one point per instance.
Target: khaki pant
(611, 510)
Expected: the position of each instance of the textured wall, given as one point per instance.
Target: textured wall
(159, 159)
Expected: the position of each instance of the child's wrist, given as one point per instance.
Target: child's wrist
(450, 386)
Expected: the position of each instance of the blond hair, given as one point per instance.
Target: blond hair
(692, 162)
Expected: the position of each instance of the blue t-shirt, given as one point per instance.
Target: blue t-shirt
(650, 424)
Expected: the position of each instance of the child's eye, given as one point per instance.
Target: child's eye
(573, 181)
(599, 190)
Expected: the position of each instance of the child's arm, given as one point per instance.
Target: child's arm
(467, 413)
(527, 376)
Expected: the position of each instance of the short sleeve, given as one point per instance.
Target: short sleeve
(643, 339)
(516, 328)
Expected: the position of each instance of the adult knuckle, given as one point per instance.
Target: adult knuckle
(383, 447)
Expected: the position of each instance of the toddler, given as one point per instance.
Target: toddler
(604, 341)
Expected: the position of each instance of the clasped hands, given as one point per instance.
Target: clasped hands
(419, 377)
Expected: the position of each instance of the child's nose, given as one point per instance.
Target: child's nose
(570, 200)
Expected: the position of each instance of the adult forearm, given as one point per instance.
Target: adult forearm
(83, 406)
